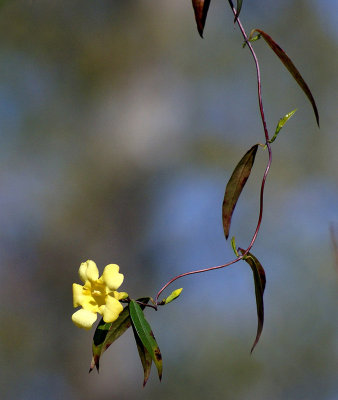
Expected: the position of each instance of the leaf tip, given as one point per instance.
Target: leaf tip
(201, 8)
(92, 367)
(254, 345)
(144, 382)
(317, 117)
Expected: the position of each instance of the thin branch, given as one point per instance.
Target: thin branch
(266, 133)
(268, 145)
(196, 272)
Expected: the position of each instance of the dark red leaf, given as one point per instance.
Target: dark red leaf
(260, 281)
(235, 186)
(201, 8)
(238, 10)
(291, 68)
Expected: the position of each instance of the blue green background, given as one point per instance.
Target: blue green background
(119, 128)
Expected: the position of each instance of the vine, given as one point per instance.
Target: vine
(99, 295)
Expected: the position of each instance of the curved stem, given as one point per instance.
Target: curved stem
(267, 138)
(198, 271)
(266, 133)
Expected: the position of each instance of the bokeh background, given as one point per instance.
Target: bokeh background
(119, 130)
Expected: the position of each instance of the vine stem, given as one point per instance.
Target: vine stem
(267, 139)
(266, 133)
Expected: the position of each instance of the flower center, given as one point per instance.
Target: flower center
(98, 292)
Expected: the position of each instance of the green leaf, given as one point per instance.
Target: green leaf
(281, 123)
(291, 68)
(252, 38)
(235, 186)
(106, 334)
(238, 10)
(146, 335)
(260, 281)
(233, 245)
(172, 296)
(145, 357)
(201, 8)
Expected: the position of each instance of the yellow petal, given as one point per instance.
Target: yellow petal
(111, 276)
(84, 318)
(92, 272)
(82, 272)
(120, 295)
(89, 304)
(101, 309)
(112, 309)
(77, 295)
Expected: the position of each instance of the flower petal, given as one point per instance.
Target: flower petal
(120, 295)
(89, 304)
(84, 318)
(82, 272)
(111, 276)
(92, 272)
(77, 295)
(112, 309)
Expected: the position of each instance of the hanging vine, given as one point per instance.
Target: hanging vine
(99, 295)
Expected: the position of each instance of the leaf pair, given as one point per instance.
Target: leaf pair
(146, 343)
(201, 8)
(232, 192)
(107, 333)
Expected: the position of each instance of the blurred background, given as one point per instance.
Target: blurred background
(120, 128)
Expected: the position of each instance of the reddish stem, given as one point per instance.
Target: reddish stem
(196, 272)
(267, 138)
(266, 133)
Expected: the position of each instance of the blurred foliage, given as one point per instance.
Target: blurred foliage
(119, 130)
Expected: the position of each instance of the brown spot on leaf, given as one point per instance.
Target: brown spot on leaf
(158, 355)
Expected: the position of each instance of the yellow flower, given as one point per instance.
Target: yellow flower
(97, 295)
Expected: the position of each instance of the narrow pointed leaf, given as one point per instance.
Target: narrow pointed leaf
(146, 335)
(106, 334)
(233, 245)
(238, 10)
(173, 295)
(145, 357)
(235, 186)
(201, 8)
(291, 68)
(260, 281)
(281, 123)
